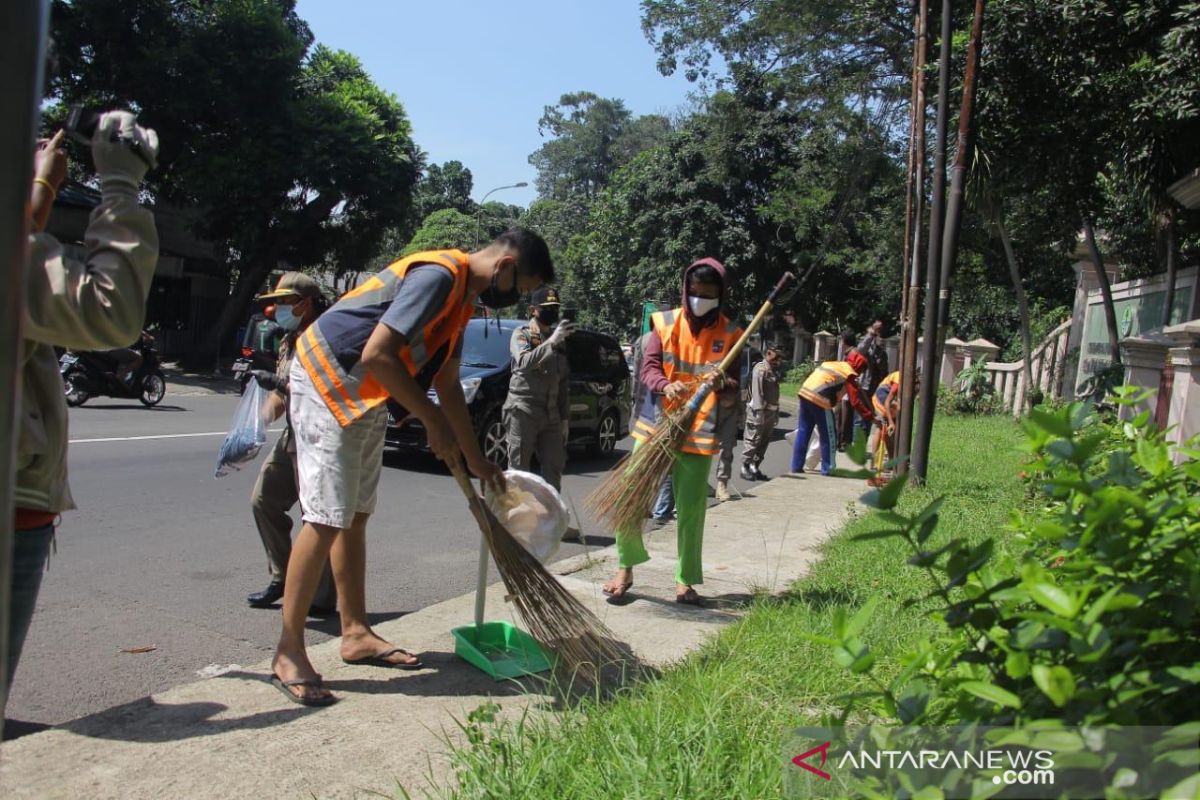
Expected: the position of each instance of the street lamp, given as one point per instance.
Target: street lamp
(479, 211)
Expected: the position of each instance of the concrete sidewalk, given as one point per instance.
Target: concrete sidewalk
(233, 735)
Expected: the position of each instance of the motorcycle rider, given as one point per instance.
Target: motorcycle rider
(298, 302)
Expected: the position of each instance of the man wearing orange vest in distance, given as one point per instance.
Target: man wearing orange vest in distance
(819, 393)
(395, 335)
(682, 350)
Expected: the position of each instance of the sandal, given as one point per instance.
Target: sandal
(689, 598)
(303, 699)
(618, 591)
(381, 660)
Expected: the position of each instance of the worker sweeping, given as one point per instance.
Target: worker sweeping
(682, 350)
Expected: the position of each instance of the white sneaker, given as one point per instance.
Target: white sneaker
(723, 491)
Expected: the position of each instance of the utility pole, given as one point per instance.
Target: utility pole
(931, 347)
(911, 273)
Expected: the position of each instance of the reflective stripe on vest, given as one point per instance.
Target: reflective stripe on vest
(827, 383)
(349, 395)
(688, 358)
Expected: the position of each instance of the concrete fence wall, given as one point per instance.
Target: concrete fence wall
(1048, 368)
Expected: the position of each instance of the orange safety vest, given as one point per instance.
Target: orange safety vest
(688, 358)
(349, 395)
(882, 391)
(827, 383)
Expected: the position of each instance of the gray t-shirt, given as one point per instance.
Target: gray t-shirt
(421, 295)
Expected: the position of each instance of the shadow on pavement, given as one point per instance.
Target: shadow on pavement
(15, 728)
(145, 720)
(332, 625)
(127, 407)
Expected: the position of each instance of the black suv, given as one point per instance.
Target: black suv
(600, 388)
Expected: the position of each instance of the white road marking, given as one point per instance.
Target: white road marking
(159, 436)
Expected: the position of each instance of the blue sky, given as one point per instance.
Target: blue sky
(474, 76)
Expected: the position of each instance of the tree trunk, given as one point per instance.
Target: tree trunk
(255, 270)
(1014, 270)
(1171, 268)
(1110, 311)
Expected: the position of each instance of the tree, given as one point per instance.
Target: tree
(764, 188)
(1082, 97)
(445, 186)
(814, 54)
(450, 228)
(281, 153)
(591, 137)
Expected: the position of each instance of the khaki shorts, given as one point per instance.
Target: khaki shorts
(338, 467)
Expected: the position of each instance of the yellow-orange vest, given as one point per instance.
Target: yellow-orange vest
(882, 391)
(827, 383)
(349, 395)
(688, 358)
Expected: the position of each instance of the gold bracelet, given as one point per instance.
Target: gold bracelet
(48, 185)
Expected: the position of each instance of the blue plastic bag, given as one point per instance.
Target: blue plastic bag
(247, 434)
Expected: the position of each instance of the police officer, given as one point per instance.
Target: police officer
(762, 412)
(537, 411)
(298, 301)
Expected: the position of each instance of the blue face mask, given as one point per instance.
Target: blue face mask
(286, 319)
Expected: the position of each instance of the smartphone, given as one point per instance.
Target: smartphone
(80, 124)
(567, 314)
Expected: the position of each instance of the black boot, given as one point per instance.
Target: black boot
(267, 597)
(748, 474)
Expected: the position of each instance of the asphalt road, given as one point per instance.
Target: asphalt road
(161, 555)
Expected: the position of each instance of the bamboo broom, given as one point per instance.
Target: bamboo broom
(626, 496)
(551, 613)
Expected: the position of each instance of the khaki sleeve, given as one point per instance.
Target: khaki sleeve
(100, 302)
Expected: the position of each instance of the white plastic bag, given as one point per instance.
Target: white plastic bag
(812, 459)
(247, 433)
(532, 511)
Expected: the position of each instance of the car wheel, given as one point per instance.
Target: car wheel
(606, 435)
(493, 440)
(154, 388)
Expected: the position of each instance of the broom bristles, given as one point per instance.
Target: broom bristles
(553, 615)
(626, 496)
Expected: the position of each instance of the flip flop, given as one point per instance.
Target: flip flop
(381, 660)
(299, 699)
(689, 598)
(617, 593)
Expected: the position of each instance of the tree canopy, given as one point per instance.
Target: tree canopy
(281, 151)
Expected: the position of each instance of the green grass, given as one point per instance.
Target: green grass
(714, 726)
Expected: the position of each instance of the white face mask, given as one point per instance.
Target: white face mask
(702, 305)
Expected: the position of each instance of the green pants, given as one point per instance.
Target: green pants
(690, 479)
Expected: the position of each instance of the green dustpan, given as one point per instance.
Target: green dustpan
(500, 649)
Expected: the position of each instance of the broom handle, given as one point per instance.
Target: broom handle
(781, 288)
(464, 483)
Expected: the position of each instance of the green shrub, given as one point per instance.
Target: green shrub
(971, 393)
(800, 372)
(1095, 623)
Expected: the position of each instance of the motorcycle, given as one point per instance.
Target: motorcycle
(260, 347)
(94, 374)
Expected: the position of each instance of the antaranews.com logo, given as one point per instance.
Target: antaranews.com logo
(970, 762)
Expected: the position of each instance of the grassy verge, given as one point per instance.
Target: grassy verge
(715, 725)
